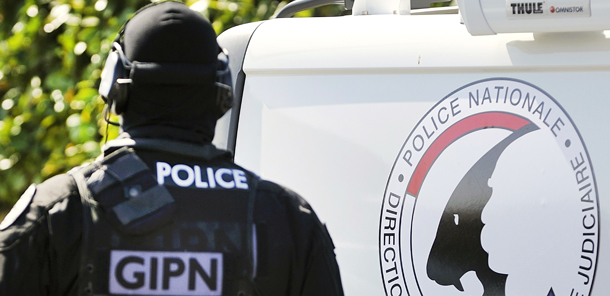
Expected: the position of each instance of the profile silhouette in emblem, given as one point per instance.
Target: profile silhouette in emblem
(457, 246)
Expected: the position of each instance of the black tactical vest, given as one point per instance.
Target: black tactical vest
(182, 227)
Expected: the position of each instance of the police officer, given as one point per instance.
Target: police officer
(162, 211)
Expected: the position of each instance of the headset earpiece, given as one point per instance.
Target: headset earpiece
(114, 86)
(224, 85)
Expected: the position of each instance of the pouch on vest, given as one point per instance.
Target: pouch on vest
(125, 192)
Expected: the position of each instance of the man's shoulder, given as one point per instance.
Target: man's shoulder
(55, 188)
(33, 207)
(269, 187)
(48, 193)
(286, 197)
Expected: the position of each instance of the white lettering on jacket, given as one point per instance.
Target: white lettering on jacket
(186, 176)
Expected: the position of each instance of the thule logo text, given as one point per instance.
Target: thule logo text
(527, 8)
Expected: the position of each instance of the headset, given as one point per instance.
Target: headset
(119, 74)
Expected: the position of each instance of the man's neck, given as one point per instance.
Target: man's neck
(168, 133)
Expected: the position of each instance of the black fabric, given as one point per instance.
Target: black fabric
(126, 192)
(210, 221)
(40, 252)
(159, 129)
(44, 238)
(170, 32)
(207, 151)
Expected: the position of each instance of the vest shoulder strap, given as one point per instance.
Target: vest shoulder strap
(141, 205)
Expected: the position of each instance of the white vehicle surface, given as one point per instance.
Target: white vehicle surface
(450, 152)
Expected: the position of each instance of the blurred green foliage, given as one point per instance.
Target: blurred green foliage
(51, 56)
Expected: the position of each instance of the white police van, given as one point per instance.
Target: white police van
(451, 151)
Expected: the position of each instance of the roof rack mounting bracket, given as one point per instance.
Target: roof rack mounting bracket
(301, 5)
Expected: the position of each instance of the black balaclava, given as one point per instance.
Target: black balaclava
(170, 32)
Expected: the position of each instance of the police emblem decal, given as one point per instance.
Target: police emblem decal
(492, 193)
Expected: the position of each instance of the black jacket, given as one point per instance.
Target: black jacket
(41, 240)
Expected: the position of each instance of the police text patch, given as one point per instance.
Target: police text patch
(165, 273)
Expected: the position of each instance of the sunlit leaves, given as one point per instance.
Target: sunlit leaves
(51, 55)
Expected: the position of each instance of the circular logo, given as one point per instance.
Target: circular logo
(492, 193)
(552, 9)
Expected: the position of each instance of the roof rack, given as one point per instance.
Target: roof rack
(301, 5)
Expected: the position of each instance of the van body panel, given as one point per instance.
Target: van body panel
(330, 105)
(413, 43)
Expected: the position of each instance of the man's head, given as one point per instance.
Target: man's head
(171, 62)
